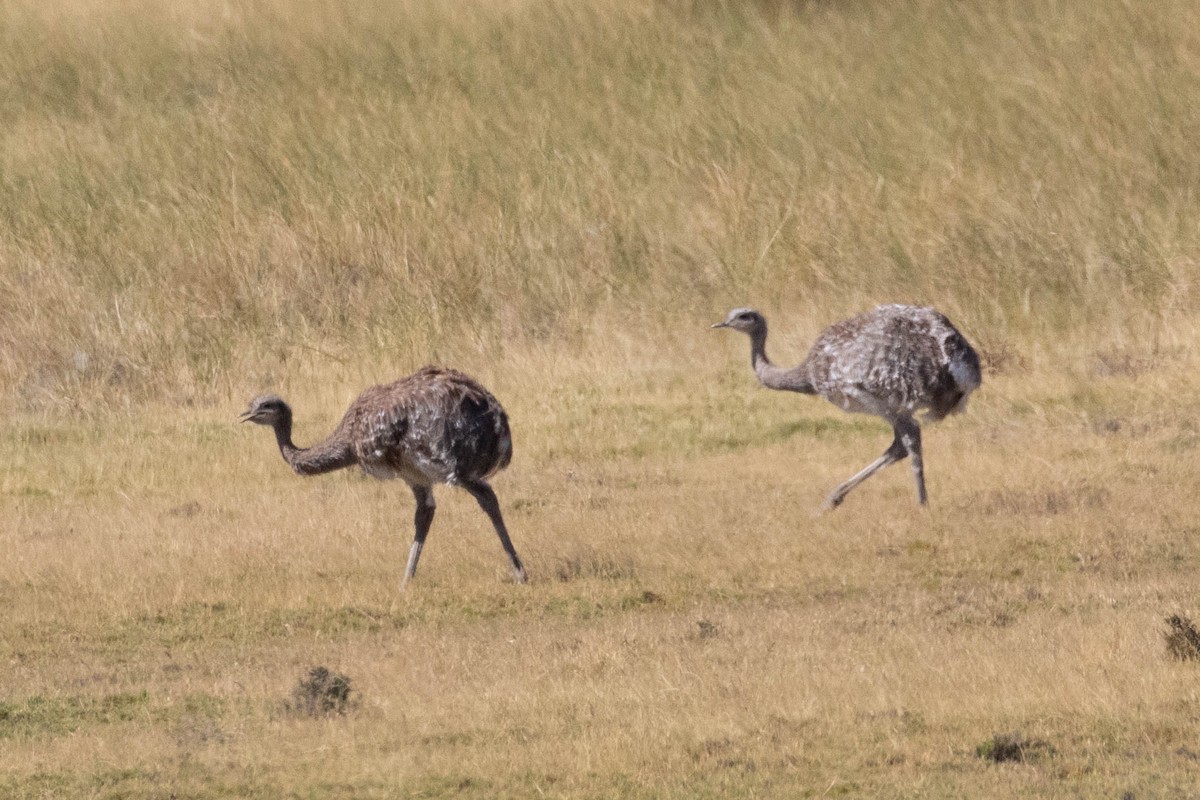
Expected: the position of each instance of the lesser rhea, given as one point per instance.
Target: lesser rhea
(891, 362)
(434, 426)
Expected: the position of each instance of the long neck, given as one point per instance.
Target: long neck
(771, 376)
(332, 454)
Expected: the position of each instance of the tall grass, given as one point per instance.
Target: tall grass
(194, 195)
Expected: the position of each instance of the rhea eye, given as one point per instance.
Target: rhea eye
(744, 315)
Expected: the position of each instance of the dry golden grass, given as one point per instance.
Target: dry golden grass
(201, 201)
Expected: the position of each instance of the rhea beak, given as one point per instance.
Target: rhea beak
(721, 325)
(247, 415)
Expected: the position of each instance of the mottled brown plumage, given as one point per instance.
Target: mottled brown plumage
(434, 426)
(892, 362)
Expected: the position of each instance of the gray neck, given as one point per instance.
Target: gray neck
(332, 454)
(771, 376)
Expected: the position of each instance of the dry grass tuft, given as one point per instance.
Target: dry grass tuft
(587, 563)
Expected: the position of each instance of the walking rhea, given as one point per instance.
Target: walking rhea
(890, 362)
(434, 426)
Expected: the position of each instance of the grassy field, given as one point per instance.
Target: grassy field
(202, 201)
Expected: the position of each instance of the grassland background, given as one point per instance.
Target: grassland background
(202, 201)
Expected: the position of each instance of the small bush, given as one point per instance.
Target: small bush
(1004, 747)
(1183, 640)
(321, 693)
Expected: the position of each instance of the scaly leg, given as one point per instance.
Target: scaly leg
(422, 519)
(894, 453)
(910, 435)
(491, 506)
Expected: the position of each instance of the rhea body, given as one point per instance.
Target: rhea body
(893, 362)
(434, 426)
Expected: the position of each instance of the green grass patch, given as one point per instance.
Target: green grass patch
(42, 715)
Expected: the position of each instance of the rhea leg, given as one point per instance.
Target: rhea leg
(909, 433)
(422, 519)
(483, 493)
(897, 451)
